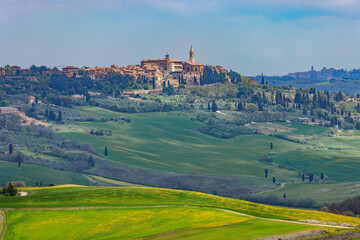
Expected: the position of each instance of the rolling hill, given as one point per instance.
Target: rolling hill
(80, 212)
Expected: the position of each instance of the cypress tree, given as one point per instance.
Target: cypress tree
(106, 152)
(214, 106)
(11, 148)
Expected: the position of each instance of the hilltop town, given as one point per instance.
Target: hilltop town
(160, 72)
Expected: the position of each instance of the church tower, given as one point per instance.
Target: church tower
(191, 55)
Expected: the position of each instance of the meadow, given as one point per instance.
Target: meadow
(323, 193)
(149, 213)
(139, 223)
(145, 196)
(31, 174)
(170, 143)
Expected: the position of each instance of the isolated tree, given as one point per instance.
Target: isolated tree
(106, 152)
(262, 80)
(209, 107)
(11, 148)
(36, 100)
(60, 116)
(274, 180)
(214, 106)
(19, 159)
(91, 161)
(322, 176)
(266, 173)
(10, 190)
(303, 177)
(284, 196)
(271, 146)
(311, 177)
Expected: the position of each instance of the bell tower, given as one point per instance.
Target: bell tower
(191, 55)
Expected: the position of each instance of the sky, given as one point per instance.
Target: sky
(273, 37)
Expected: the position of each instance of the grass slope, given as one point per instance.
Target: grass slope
(140, 196)
(163, 214)
(175, 222)
(323, 193)
(32, 173)
(142, 143)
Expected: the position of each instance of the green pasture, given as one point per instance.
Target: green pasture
(145, 196)
(248, 230)
(171, 143)
(30, 174)
(306, 129)
(161, 223)
(323, 193)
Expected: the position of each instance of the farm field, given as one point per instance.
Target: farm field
(60, 197)
(188, 151)
(29, 173)
(136, 212)
(140, 222)
(141, 144)
(323, 193)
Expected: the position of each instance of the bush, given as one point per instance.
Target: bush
(10, 190)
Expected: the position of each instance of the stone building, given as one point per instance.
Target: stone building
(191, 66)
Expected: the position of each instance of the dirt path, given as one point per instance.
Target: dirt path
(23, 194)
(3, 225)
(165, 206)
(281, 186)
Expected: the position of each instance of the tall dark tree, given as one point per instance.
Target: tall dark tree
(271, 146)
(60, 116)
(274, 180)
(214, 106)
(266, 173)
(106, 152)
(311, 177)
(322, 176)
(303, 177)
(19, 159)
(11, 149)
(91, 161)
(209, 107)
(284, 196)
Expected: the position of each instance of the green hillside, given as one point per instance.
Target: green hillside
(136, 212)
(31, 174)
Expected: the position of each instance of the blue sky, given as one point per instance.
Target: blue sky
(251, 37)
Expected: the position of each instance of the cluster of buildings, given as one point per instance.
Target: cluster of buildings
(161, 70)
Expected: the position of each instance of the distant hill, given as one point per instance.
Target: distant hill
(330, 79)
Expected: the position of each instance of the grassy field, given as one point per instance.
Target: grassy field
(171, 143)
(323, 193)
(138, 223)
(145, 196)
(142, 143)
(151, 213)
(113, 182)
(32, 173)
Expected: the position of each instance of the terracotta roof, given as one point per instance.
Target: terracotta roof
(194, 63)
(71, 67)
